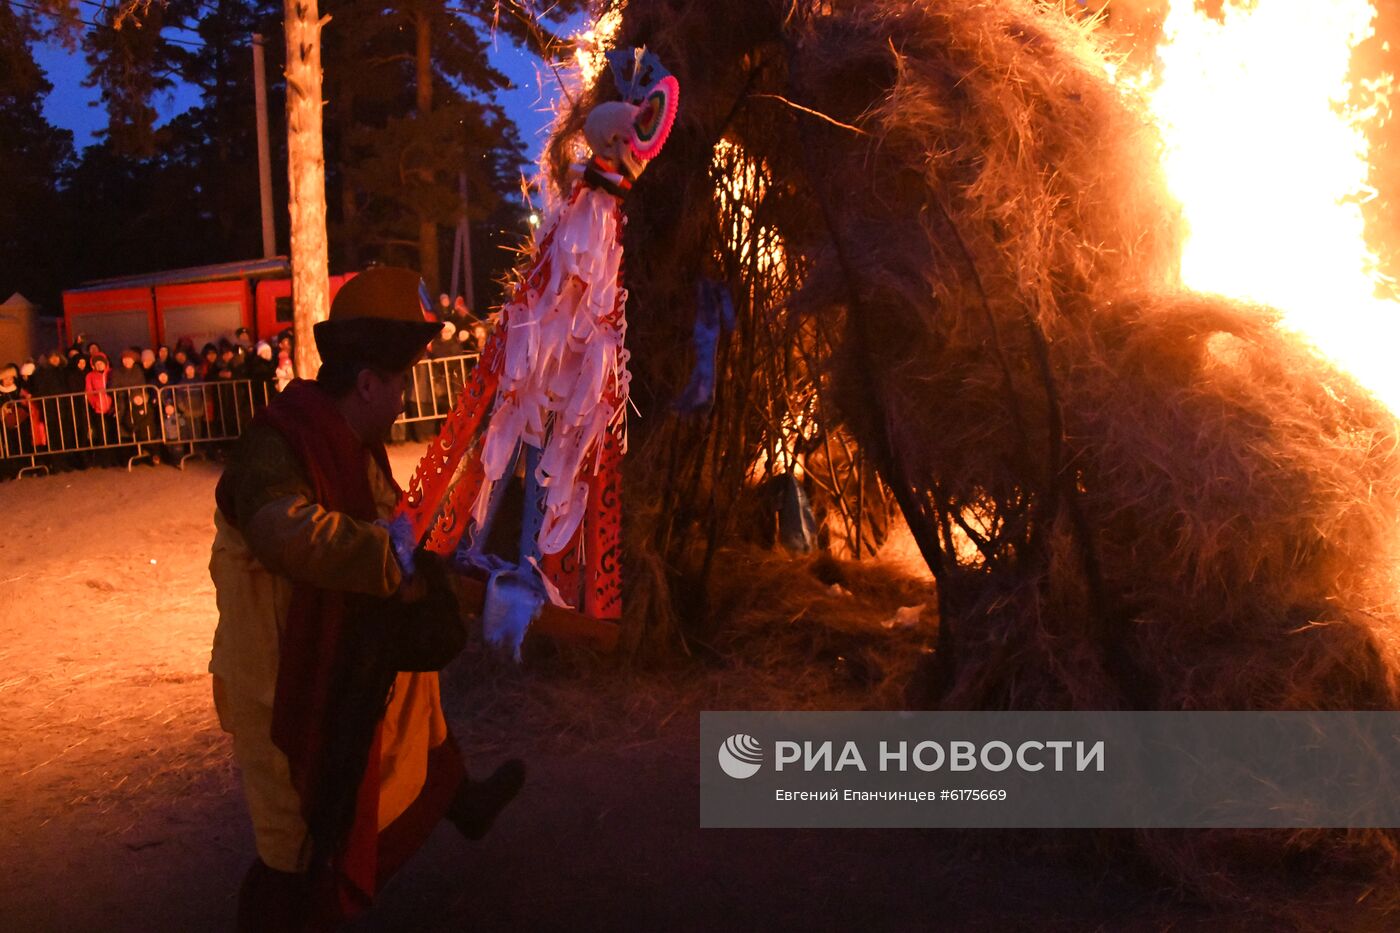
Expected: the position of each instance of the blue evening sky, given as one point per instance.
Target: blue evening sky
(74, 107)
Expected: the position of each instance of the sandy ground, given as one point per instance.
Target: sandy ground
(120, 807)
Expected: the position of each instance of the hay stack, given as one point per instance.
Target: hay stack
(1131, 496)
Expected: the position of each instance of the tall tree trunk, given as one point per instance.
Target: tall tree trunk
(427, 229)
(306, 170)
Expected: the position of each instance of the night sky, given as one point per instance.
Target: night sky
(72, 106)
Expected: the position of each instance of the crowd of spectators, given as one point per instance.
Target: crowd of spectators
(81, 409)
(85, 409)
(462, 331)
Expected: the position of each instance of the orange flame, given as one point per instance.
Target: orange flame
(593, 43)
(1271, 171)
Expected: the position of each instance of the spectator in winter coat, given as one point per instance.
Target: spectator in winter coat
(127, 376)
(221, 418)
(190, 400)
(50, 381)
(15, 437)
(96, 384)
(9, 379)
(262, 371)
(176, 366)
(285, 371)
(148, 365)
(102, 420)
(128, 372)
(164, 388)
(210, 364)
(163, 356)
(144, 426)
(78, 368)
(225, 367)
(50, 378)
(177, 431)
(442, 343)
(241, 359)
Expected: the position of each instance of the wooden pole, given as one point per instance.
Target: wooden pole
(269, 235)
(456, 288)
(306, 170)
(427, 227)
(466, 228)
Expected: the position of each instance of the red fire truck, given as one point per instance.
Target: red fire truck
(203, 303)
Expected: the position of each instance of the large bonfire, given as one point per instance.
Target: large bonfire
(955, 258)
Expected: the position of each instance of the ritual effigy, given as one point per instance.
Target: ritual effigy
(550, 396)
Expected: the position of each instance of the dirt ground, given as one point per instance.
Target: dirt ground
(120, 807)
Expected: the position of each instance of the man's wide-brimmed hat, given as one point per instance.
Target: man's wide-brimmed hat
(379, 317)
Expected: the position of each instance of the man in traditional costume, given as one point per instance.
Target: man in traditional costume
(346, 759)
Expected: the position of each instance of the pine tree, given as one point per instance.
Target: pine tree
(130, 65)
(34, 156)
(212, 147)
(412, 107)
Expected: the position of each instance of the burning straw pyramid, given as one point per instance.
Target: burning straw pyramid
(946, 225)
(947, 235)
(949, 242)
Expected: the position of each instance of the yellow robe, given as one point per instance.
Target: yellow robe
(286, 537)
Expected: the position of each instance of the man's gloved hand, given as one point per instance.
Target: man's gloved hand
(403, 541)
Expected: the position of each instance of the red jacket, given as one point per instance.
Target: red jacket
(97, 398)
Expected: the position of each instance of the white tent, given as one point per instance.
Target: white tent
(17, 324)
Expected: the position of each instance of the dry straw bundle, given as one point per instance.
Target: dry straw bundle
(1131, 496)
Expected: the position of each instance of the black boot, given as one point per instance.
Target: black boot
(476, 803)
(272, 901)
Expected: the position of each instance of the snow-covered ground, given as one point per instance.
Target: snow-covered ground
(112, 761)
(120, 807)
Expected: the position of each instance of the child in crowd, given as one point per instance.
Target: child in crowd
(189, 399)
(102, 419)
(177, 431)
(285, 372)
(143, 426)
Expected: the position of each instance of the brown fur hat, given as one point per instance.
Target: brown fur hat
(378, 318)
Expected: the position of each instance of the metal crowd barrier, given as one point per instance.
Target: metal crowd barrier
(434, 386)
(209, 413)
(201, 413)
(132, 421)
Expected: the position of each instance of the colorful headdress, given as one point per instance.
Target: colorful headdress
(635, 72)
(653, 91)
